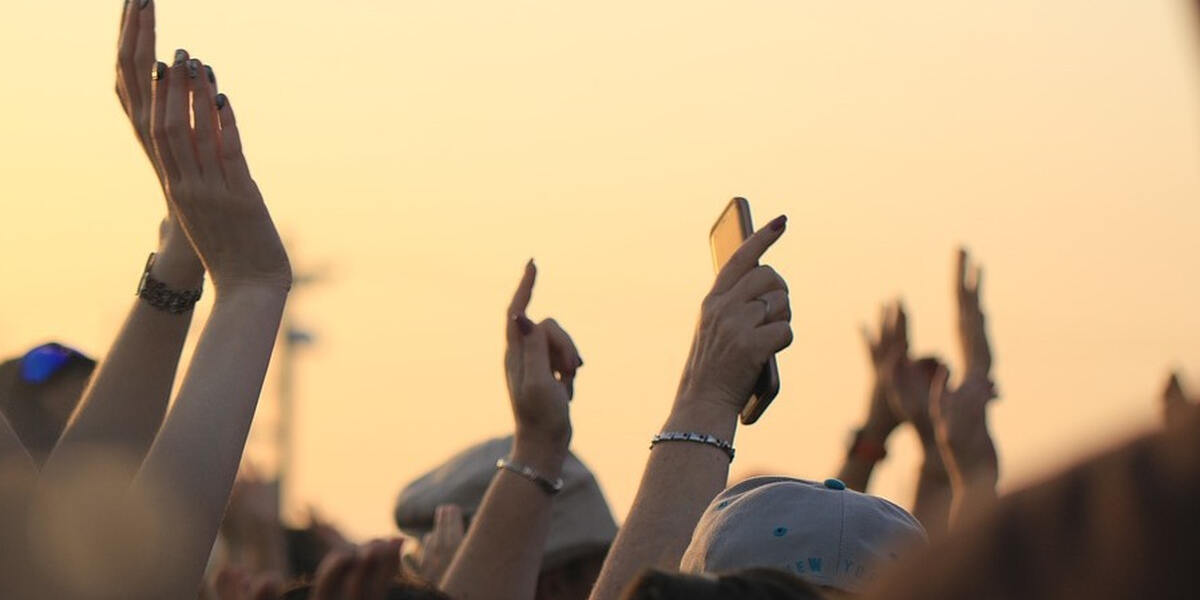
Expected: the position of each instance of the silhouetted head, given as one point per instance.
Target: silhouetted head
(749, 584)
(40, 391)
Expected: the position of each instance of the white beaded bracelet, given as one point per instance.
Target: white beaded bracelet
(699, 438)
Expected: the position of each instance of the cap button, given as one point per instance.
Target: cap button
(835, 484)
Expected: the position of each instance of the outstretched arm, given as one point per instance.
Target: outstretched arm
(124, 406)
(869, 445)
(502, 553)
(735, 338)
(192, 465)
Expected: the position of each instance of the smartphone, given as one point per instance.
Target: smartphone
(731, 229)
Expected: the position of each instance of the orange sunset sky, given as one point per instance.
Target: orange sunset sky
(420, 152)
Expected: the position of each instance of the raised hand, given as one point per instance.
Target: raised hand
(136, 72)
(208, 181)
(972, 330)
(887, 351)
(439, 546)
(906, 381)
(1175, 402)
(960, 423)
(540, 363)
(362, 575)
(501, 555)
(744, 321)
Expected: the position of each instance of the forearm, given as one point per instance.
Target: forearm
(858, 466)
(932, 504)
(124, 406)
(502, 553)
(192, 465)
(974, 472)
(680, 480)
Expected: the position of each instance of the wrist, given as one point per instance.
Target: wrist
(250, 295)
(876, 432)
(177, 265)
(545, 457)
(699, 414)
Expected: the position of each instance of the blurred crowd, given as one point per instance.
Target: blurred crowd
(108, 489)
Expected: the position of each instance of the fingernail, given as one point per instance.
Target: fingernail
(143, 3)
(212, 77)
(160, 70)
(524, 325)
(193, 68)
(180, 56)
(221, 100)
(779, 223)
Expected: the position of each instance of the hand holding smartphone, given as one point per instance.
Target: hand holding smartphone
(731, 229)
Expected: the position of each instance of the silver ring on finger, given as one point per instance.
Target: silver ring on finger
(766, 307)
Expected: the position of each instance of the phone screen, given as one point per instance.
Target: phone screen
(728, 234)
(731, 229)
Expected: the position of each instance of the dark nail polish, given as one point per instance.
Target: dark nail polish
(193, 68)
(143, 3)
(212, 77)
(180, 56)
(160, 70)
(524, 325)
(779, 223)
(221, 101)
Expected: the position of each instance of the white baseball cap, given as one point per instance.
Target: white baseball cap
(822, 532)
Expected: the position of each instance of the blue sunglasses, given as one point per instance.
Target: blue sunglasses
(44, 362)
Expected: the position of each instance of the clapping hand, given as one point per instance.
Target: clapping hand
(972, 330)
(887, 351)
(208, 181)
(137, 70)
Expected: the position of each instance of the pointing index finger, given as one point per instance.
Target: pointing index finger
(521, 298)
(747, 255)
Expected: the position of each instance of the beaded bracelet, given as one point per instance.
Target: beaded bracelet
(699, 438)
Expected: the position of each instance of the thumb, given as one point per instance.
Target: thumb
(535, 354)
(938, 391)
(1173, 395)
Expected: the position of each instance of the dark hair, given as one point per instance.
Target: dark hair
(398, 591)
(748, 584)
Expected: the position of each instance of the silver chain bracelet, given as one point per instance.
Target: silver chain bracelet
(698, 438)
(550, 486)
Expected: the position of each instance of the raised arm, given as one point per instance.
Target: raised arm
(123, 408)
(744, 321)
(960, 422)
(959, 414)
(502, 553)
(869, 445)
(191, 467)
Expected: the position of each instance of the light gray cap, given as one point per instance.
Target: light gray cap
(821, 532)
(581, 522)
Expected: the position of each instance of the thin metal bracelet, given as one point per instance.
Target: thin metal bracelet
(698, 438)
(550, 486)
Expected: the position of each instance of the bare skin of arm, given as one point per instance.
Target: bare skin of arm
(737, 334)
(501, 556)
(124, 406)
